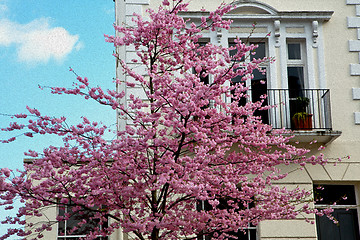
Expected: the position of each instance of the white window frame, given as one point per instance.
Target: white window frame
(344, 207)
(298, 62)
(247, 58)
(247, 229)
(70, 236)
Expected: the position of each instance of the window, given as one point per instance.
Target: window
(65, 227)
(296, 76)
(258, 83)
(203, 75)
(247, 234)
(295, 68)
(345, 212)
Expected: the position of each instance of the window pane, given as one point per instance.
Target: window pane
(329, 194)
(61, 225)
(348, 224)
(204, 79)
(238, 79)
(232, 52)
(248, 234)
(258, 89)
(294, 51)
(76, 218)
(65, 227)
(295, 81)
(258, 75)
(347, 228)
(259, 51)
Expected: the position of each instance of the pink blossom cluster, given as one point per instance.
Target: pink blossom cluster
(185, 144)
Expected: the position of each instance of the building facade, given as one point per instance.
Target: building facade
(316, 45)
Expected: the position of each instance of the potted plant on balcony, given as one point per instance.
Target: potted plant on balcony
(302, 120)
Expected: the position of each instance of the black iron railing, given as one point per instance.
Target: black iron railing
(293, 105)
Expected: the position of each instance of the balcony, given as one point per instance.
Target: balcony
(296, 104)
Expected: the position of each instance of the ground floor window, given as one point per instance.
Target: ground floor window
(345, 212)
(65, 228)
(246, 234)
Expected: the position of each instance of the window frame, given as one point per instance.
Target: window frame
(253, 40)
(203, 205)
(350, 208)
(298, 62)
(72, 236)
(251, 94)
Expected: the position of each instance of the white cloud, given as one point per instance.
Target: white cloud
(37, 42)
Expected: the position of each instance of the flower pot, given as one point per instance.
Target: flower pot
(303, 123)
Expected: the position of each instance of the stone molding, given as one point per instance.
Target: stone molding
(354, 46)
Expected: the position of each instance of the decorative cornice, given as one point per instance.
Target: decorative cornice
(254, 4)
(286, 15)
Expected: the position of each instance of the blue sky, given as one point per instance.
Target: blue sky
(39, 41)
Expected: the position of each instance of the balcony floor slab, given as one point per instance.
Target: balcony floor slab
(321, 136)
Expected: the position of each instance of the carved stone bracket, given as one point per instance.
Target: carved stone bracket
(277, 33)
(315, 33)
(219, 35)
